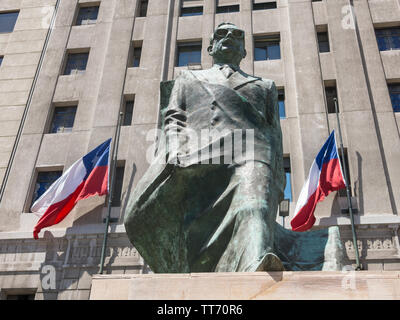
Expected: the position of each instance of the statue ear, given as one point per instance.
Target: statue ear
(244, 53)
(209, 49)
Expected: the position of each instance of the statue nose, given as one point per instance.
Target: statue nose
(230, 33)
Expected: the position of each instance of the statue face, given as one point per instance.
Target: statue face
(228, 45)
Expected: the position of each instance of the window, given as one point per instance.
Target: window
(331, 93)
(388, 39)
(267, 48)
(137, 53)
(323, 41)
(7, 21)
(76, 63)
(1, 60)
(189, 53)
(87, 15)
(264, 5)
(143, 8)
(128, 112)
(281, 103)
(394, 91)
(117, 190)
(287, 194)
(43, 181)
(63, 119)
(342, 192)
(228, 9)
(191, 11)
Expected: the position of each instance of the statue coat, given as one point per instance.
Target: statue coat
(188, 216)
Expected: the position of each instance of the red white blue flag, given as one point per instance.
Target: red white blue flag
(85, 178)
(325, 176)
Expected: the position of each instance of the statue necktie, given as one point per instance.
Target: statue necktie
(227, 71)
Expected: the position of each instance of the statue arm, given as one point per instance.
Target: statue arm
(175, 117)
(275, 132)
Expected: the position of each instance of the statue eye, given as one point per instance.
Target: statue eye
(238, 33)
(221, 32)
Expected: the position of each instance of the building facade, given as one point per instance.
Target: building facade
(69, 67)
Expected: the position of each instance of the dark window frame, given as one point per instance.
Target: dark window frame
(136, 56)
(394, 93)
(228, 9)
(264, 5)
(343, 192)
(323, 41)
(288, 173)
(116, 199)
(143, 7)
(388, 38)
(183, 47)
(8, 28)
(129, 105)
(70, 111)
(281, 100)
(72, 67)
(81, 12)
(191, 11)
(46, 181)
(330, 94)
(266, 43)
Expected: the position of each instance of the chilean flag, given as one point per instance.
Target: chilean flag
(85, 178)
(325, 176)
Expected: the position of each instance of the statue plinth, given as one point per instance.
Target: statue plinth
(288, 285)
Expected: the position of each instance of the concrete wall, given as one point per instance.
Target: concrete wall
(370, 128)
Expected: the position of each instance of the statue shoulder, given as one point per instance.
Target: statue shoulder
(267, 83)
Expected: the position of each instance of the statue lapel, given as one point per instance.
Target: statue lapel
(215, 76)
(239, 79)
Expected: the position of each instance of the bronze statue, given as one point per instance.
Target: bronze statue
(201, 211)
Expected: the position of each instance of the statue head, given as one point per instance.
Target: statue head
(227, 44)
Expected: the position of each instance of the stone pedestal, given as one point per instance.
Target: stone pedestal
(248, 286)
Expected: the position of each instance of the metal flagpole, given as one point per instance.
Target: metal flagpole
(110, 195)
(353, 230)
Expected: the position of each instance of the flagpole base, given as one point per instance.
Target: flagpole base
(287, 285)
